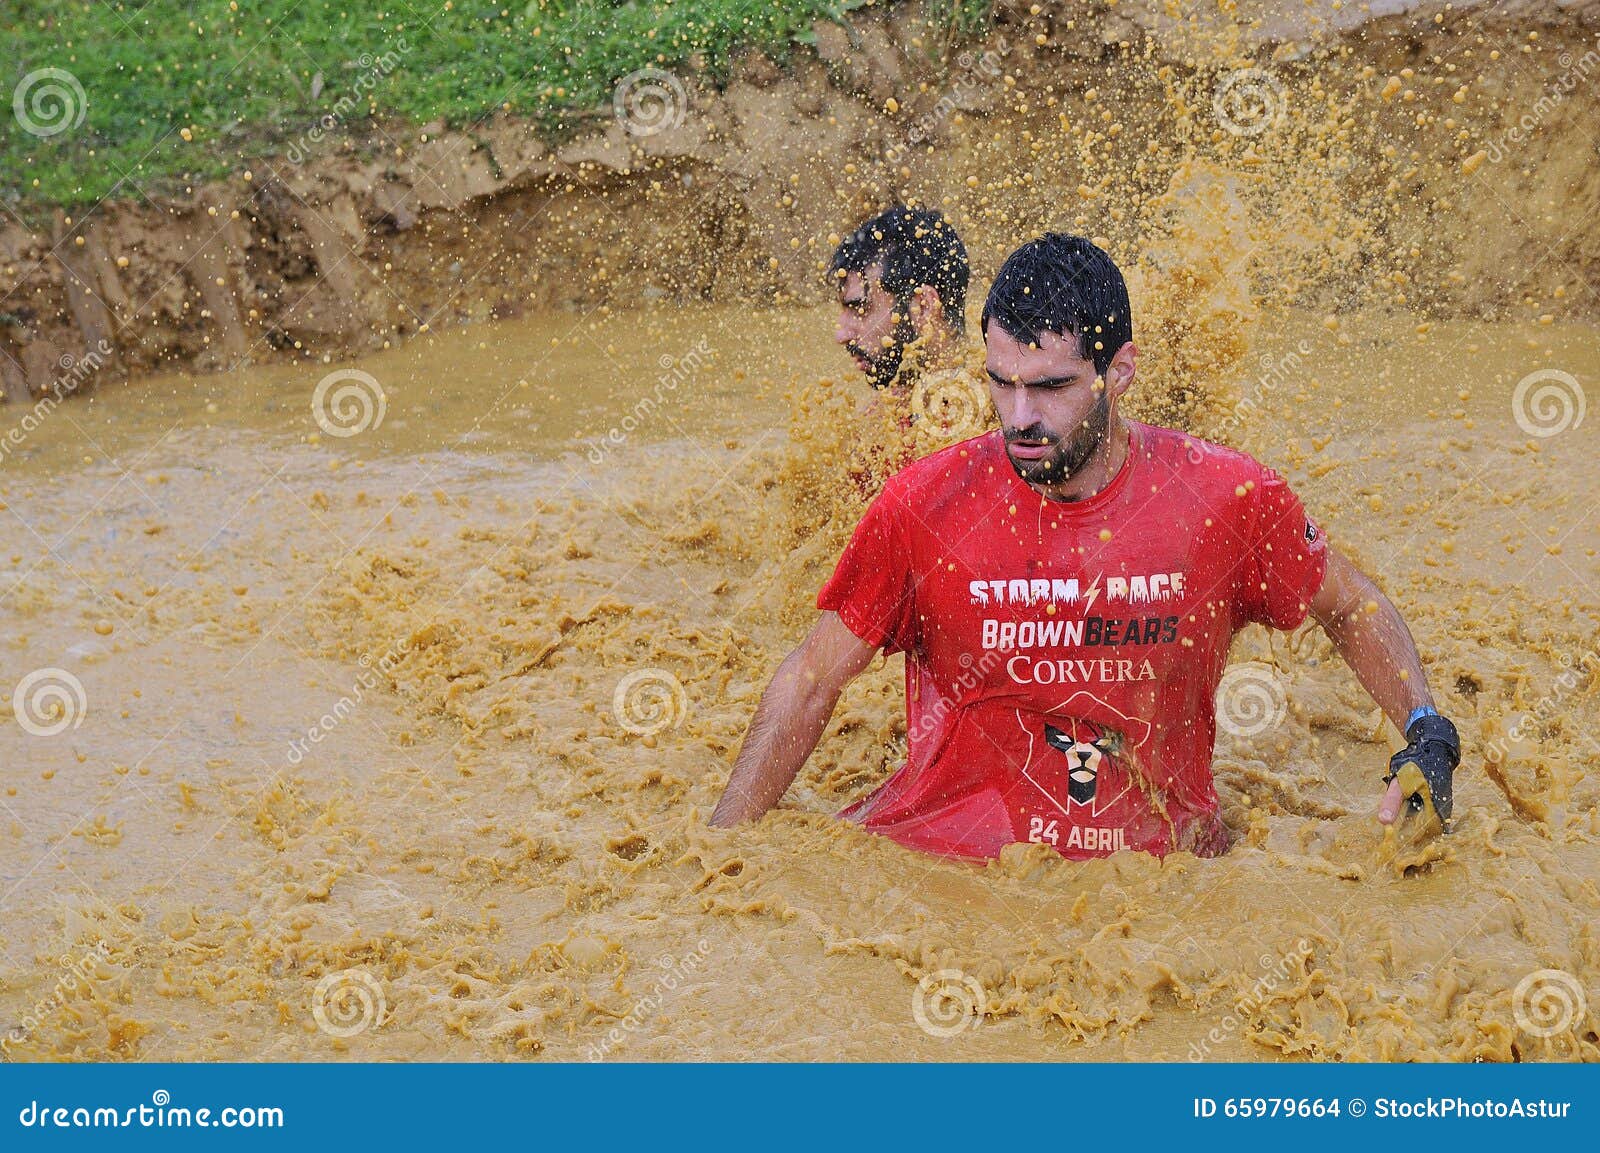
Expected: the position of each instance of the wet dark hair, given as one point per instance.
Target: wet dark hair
(915, 247)
(1063, 284)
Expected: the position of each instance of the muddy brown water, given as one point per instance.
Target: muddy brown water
(401, 744)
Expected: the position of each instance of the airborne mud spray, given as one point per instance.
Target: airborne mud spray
(528, 670)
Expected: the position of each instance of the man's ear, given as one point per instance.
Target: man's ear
(927, 310)
(1121, 371)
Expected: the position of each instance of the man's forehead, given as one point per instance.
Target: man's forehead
(856, 286)
(1052, 353)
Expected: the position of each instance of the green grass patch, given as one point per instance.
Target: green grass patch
(107, 89)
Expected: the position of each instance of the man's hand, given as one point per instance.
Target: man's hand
(790, 718)
(1373, 639)
(1424, 771)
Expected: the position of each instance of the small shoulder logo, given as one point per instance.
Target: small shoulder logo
(1311, 533)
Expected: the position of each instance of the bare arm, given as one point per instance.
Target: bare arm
(790, 718)
(1374, 641)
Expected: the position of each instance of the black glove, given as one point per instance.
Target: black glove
(1427, 765)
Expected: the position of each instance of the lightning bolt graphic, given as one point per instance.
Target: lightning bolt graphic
(1093, 593)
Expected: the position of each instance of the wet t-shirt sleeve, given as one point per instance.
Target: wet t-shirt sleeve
(872, 585)
(1287, 555)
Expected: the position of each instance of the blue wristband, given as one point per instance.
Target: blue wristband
(1420, 711)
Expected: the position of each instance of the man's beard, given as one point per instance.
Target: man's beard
(885, 366)
(1070, 453)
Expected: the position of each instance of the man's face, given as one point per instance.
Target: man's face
(1053, 408)
(871, 327)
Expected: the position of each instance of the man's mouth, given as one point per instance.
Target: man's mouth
(1030, 449)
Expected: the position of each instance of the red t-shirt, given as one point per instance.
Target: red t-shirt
(1060, 680)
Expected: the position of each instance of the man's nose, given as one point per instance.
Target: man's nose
(1024, 410)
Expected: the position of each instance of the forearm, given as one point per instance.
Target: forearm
(788, 722)
(1372, 637)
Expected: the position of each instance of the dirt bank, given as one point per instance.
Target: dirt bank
(736, 194)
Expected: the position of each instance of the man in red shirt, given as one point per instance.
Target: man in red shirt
(1065, 589)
